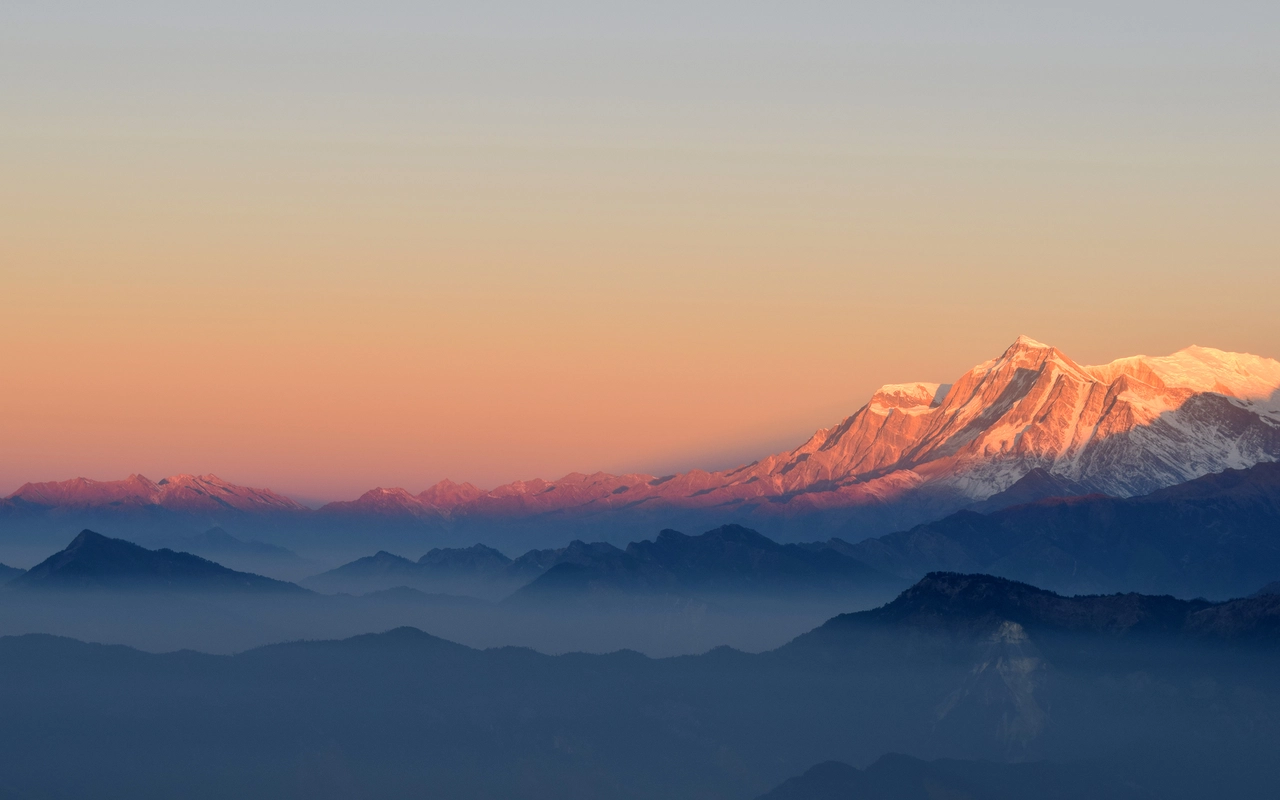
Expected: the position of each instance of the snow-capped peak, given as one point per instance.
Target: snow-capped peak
(1025, 342)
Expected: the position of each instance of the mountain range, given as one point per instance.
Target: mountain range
(729, 561)
(1030, 423)
(1160, 697)
(478, 570)
(1214, 536)
(187, 493)
(1123, 428)
(726, 561)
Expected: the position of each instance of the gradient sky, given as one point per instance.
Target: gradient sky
(325, 246)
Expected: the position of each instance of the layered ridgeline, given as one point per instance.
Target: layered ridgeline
(1119, 696)
(730, 564)
(1028, 424)
(1215, 536)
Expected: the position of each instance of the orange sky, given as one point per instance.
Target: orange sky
(328, 264)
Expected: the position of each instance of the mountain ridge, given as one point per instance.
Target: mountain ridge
(183, 492)
(913, 452)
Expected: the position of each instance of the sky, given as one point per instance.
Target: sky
(328, 246)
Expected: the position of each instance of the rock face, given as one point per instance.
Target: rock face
(1124, 428)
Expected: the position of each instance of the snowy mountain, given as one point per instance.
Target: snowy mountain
(1124, 428)
(189, 493)
(913, 453)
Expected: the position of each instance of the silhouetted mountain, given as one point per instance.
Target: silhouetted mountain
(8, 573)
(727, 560)
(535, 562)
(981, 604)
(478, 570)
(1214, 537)
(899, 777)
(476, 560)
(93, 561)
(382, 570)
(1270, 588)
(969, 668)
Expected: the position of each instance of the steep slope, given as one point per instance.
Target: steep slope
(93, 561)
(1215, 536)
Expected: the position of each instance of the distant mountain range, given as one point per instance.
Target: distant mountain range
(727, 561)
(1213, 537)
(184, 493)
(1029, 424)
(1166, 698)
(94, 561)
(477, 570)
(985, 605)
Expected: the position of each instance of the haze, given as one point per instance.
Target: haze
(321, 248)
